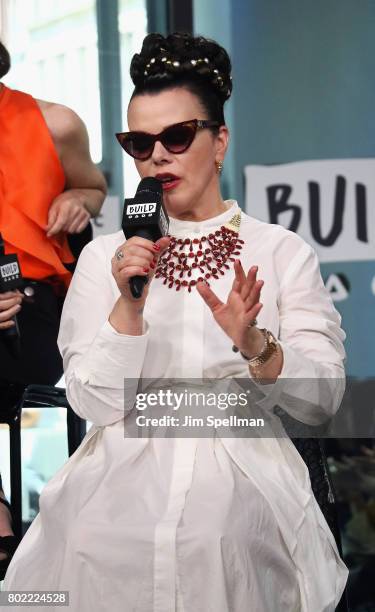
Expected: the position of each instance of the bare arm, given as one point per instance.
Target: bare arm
(85, 186)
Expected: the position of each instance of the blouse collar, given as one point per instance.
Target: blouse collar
(178, 227)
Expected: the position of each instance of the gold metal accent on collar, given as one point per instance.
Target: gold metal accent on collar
(234, 223)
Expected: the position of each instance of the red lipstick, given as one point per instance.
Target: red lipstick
(168, 180)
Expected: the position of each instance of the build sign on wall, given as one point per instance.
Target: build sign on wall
(331, 204)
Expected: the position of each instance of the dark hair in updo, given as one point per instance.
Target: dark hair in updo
(4, 61)
(197, 64)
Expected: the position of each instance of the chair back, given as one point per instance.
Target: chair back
(313, 454)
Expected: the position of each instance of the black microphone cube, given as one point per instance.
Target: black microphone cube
(145, 214)
(10, 273)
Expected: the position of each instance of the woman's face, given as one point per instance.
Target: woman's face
(195, 186)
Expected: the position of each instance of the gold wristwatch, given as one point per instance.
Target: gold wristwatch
(270, 348)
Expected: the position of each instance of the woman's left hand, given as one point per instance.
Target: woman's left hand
(241, 308)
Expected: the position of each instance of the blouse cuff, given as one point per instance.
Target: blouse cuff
(112, 357)
(299, 390)
(294, 366)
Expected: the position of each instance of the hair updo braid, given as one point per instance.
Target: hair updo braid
(181, 60)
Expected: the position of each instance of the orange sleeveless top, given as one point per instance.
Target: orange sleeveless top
(31, 177)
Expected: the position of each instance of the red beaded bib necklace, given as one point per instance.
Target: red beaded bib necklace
(208, 255)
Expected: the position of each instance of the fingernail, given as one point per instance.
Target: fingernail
(146, 270)
(152, 265)
(156, 247)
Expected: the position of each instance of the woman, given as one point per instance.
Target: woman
(195, 524)
(46, 198)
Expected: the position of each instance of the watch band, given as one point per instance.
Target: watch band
(265, 344)
(269, 349)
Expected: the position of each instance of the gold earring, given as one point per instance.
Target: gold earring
(219, 166)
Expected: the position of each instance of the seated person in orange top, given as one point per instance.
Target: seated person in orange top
(49, 189)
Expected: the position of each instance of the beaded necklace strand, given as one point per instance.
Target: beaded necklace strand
(210, 257)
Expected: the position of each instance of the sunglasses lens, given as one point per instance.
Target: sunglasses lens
(175, 139)
(178, 138)
(138, 146)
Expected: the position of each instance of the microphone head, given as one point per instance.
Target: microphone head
(150, 183)
(145, 215)
(10, 273)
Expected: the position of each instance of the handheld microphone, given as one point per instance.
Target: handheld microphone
(145, 216)
(10, 279)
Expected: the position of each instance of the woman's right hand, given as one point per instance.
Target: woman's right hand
(139, 258)
(10, 305)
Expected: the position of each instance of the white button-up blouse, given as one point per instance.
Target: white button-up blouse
(219, 524)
